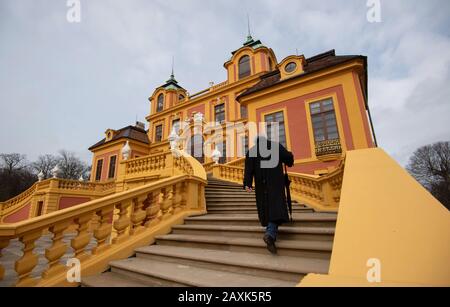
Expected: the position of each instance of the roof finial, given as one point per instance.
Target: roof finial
(172, 76)
(249, 35)
(248, 25)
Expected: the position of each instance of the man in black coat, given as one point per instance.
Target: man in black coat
(263, 162)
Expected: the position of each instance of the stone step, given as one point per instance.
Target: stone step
(310, 249)
(224, 186)
(227, 193)
(246, 204)
(251, 210)
(162, 273)
(299, 219)
(249, 206)
(284, 233)
(247, 201)
(111, 279)
(279, 267)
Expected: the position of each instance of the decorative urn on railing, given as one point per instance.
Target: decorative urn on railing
(216, 155)
(81, 179)
(126, 151)
(55, 171)
(198, 118)
(173, 139)
(40, 176)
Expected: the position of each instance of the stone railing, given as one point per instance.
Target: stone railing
(55, 187)
(240, 162)
(218, 86)
(320, 192)
(123, 221)
(208, 166)
(148, 164)
(20, 199)
(228, 173)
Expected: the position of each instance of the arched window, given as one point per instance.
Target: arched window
(160, 103)
(244, 67)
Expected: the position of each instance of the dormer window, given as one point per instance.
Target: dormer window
(244, 67)
(290, 67)
(180, 97)
(160, 103)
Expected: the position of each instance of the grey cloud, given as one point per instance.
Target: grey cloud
(62, 85)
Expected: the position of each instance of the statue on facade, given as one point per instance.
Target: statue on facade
(198, 118)
(216, 155)
(126, 151)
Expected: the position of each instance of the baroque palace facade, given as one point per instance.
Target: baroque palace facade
(320, 105)
(153, 214)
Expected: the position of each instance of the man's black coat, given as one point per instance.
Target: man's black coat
(269, 183)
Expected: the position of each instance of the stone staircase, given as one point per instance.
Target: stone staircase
(224, 248)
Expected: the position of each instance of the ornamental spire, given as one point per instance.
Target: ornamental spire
(249, 35)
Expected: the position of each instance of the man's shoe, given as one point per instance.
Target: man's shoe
(270, 244)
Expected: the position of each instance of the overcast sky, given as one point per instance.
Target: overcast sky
(63, 84)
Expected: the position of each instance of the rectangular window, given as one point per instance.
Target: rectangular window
(276, 118)
(176, 125)
(222, 147)
(244, 142)
(219, 112)
(112, 167)
(158, 133)
(243, 111)
(98, 170)
(323, 120)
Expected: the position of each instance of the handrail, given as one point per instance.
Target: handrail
(320, 192)
(238, 162)
(142, 213)
(54, 185)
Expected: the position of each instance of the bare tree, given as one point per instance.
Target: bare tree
(71, 166)
(45, 164)
(430, 165)
(15, 175)
(12, 162)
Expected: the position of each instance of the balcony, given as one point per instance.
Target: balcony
(329, 149)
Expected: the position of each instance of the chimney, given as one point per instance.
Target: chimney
(140, 125)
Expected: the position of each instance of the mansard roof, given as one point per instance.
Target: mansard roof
(130, 132)
(313, 64)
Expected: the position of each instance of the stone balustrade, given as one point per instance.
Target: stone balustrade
(54, 188)
(208, 166)
(123, 221)
(320, 192)
(147, 164)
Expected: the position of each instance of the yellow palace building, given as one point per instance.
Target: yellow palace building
(320, 104)
(165, 205)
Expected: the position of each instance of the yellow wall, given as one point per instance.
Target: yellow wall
(385, 214)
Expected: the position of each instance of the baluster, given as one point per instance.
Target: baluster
(123, 222)
(167, 203)
(3, 244)
(153, 209)
(177, 198)
(183, 202)
(83, 237)
(138, 215)
(25, 265)
(57, 250)
(104, 230)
